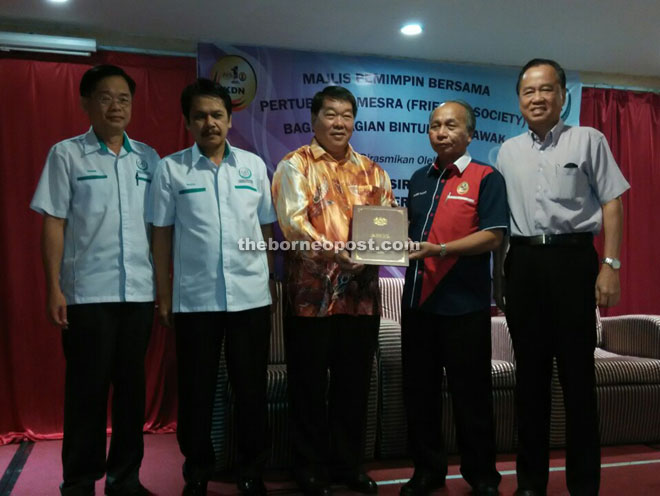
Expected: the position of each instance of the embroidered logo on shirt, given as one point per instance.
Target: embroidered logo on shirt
(245, 173)
(463, 188)
(142, 164)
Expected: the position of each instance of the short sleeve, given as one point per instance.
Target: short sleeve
(54, 192)
(493, 209)
(266, 210)
(606, 180)
(162, 200)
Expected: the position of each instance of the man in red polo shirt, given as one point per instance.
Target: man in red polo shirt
(458, 212)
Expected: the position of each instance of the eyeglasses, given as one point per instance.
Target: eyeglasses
(106, 100)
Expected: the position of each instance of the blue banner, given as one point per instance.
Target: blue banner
(272, 91)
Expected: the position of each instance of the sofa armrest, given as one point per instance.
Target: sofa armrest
(502, 348)
(633, 335)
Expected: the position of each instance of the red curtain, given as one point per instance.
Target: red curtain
(631, 124)
(40, 106)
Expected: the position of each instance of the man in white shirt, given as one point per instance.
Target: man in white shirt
(99, 276)
(563, 185)
(206, 199)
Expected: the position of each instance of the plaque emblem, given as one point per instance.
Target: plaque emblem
(380, 221)
(245, 173)
(142, 164)
(463, 188)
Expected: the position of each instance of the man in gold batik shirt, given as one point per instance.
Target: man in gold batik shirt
(333, 304)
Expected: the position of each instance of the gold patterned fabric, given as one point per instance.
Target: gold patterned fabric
(314, 195)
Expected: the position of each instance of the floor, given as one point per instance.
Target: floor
(626, 470)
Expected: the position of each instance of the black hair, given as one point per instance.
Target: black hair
(92, 77)
(561, 75)
(204, 87)
(334, 93)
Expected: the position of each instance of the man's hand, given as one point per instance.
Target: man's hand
(344, 261)
(56, 308)
(426, 249)
(608, 288)
(165, 311)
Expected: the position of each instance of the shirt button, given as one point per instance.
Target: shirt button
(442, 180)
(431, 214)
(419, 272)
(437, 197)
(426, 233)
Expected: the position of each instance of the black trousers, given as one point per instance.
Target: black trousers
(104, 345)
(550, 310)
(462, 345)
(328, 438)
(199, 339)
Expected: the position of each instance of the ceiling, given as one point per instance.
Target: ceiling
(609, 36)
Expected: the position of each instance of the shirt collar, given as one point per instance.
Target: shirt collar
(551, 138)
(318, 151)
(197, 153)
(459, 165)
(94, 143)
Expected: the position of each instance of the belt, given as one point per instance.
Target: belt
(554, 239)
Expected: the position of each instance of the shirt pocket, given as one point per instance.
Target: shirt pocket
(567, 183)
(93, 191)
(193, 201)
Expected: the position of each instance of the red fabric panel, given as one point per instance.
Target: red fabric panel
(631, 124)
(40, 106)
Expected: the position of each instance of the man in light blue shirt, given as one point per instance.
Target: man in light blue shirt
(205, 200)
(563, 185)
(93, 194)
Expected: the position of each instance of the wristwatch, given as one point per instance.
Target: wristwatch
(443, 249)
(615, 263)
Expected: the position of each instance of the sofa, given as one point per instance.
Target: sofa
(627, 376)
(627, 364)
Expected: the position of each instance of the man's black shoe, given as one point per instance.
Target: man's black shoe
(194, 488)
(422, 483)
(483, 489)
(313, 486)
(360, 483)
(138, 491)
(251, 486)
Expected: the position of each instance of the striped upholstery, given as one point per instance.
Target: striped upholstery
(276, 353)
(392, 428)
(613, 369)
(391, 289)
(627, 375)
(281, 455)
(599, 329)
(627, 369)
(501, 340)
(636, 335)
